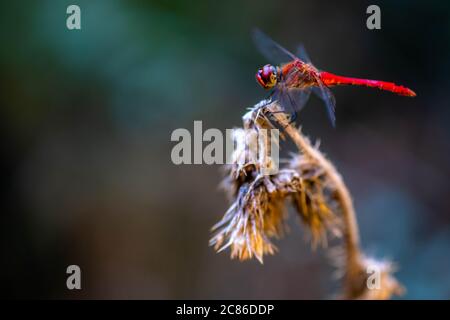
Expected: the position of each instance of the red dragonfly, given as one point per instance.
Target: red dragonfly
(294, 79)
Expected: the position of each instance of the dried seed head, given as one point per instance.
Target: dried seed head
(317, 191)
(256, 216)
(245, 153)
(315, 200)
(366, 278)
(258, 210)
(379, 283)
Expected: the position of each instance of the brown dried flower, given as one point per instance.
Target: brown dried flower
(257, 215)
(312, 184)
(368, 278)
(258, 211)
(315, 200)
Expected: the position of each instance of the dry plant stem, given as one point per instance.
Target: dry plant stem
(351, 232)
(316, 190)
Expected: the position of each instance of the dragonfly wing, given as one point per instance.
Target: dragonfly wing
(302, 54)
(327, 96)
(299, 95)
(322, 91)
(297, 98)
(271, 50)
(291, 100)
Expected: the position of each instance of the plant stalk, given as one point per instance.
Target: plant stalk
(351, 231)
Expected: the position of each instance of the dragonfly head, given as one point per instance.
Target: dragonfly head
(267, 76)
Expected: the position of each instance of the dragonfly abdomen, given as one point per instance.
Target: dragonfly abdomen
(330, 79)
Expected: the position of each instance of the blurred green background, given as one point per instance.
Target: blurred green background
(86, 119)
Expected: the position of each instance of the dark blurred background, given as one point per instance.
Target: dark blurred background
(86, 118)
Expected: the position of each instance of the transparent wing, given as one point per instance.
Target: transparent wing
(298, 98)
(294, 99)
(291, 100)
(321, 90)
(327, 96)
(302, 54)
(271, 50)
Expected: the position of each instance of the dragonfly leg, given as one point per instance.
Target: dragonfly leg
(289, 105)
(293, 117)
(293, 106)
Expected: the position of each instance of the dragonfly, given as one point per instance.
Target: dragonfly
(292, 78)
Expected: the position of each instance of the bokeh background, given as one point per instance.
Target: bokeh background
(86, 118)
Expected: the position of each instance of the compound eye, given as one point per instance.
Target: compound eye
(267, 71)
